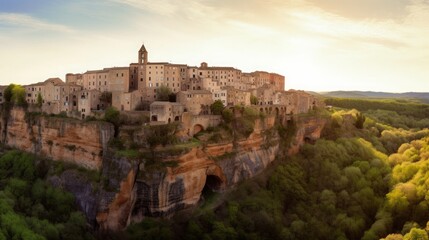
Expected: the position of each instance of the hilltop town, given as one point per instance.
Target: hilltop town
(141, 86)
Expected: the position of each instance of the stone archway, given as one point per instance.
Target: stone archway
(198, 128)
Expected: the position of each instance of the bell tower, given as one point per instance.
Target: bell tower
(142, 55)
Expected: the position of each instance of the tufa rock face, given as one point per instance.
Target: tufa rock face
(83, 143)
(309, 130)
(128, 190)
(161, 193)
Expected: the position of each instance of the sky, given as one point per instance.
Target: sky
(318, 45)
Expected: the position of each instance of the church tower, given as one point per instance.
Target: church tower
(142, 55)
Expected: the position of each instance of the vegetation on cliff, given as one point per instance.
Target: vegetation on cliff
(30, 208)
(365, 180)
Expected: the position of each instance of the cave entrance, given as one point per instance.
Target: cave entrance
(198, 128)
(211, 187)
(309, 140)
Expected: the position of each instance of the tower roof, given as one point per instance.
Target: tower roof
(142, 49)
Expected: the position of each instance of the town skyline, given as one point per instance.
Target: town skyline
(316, 46)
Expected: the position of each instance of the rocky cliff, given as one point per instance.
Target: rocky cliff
(83, 143)
(216, 167)
(129, 189)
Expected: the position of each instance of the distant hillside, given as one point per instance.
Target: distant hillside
(424, 96)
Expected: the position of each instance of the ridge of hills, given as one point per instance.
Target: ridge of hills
(370, 94)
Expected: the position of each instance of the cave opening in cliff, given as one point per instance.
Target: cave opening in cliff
(212, 185)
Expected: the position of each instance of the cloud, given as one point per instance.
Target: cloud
(191, 10)
(365, 9)
(27, 21)
(162, 7)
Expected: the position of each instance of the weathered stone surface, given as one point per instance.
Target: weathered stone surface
(84, 191)
(117, 197)
(128, 191)
(83, 143)
(308, 129)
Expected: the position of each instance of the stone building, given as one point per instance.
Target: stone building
(265, 94)
(76, 79)
(166, 112)
(237, 97)
(68, 97)
(107, 80)
(135, 86)
(33, 90)
(278, 81)
(197, 102)
(88, 101)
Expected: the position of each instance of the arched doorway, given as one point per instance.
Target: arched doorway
(198, 128)
(154, 118)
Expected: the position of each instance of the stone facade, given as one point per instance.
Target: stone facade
(166, 112)
(197, 102)
(237, 97)
(88, 101)
(135, 87)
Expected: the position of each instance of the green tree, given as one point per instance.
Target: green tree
(217, 107)
(15, 94)
(18, 95)
(8, 93)
(360, 120)
(163, 93)
(39, 100)
(416, 234)
(254, 100)
(172, 97)
(113, 116)
(106, 97)
(227, 115)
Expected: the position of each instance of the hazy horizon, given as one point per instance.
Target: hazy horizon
(317, 45)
